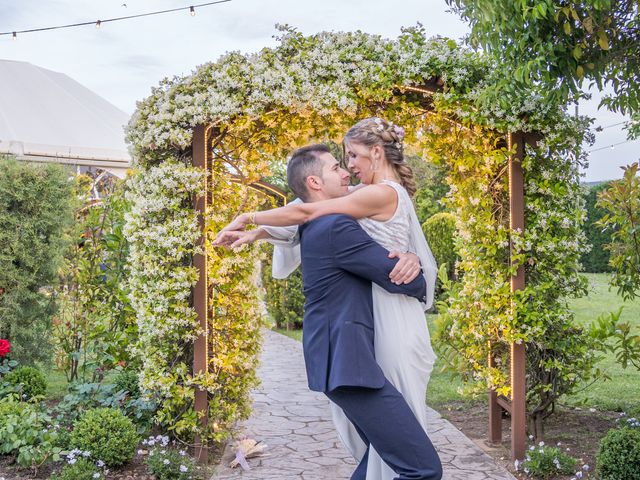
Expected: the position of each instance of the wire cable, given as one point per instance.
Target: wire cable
(98, 23)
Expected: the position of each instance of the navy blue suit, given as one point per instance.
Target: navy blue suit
(339, 262)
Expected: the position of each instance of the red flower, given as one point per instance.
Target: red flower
(5, 347)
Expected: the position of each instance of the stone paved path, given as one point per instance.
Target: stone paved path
(295, 423)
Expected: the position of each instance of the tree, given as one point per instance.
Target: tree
(36, 207)
(560, 44)
(597, 259)
(622, 202)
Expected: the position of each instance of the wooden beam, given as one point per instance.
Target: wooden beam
(200, 158)
(518, 359)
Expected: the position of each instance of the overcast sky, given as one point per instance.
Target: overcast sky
(122, 60)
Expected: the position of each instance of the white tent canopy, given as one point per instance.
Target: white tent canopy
(46, 116)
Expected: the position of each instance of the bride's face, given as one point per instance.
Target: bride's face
(363, 161)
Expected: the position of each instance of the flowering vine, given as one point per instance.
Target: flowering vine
(312, 88)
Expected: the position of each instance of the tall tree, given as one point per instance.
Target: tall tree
(558, 44)
(36, 207)
(596, 260)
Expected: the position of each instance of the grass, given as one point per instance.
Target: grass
(621, 393)
(57, 384)
(295, 334)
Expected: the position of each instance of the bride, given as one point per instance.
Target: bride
(383, 208)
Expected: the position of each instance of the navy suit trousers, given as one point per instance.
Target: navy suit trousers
(383, 419)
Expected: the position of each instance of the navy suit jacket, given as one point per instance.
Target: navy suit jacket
(339, 262)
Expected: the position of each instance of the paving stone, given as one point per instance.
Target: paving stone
(296, 425)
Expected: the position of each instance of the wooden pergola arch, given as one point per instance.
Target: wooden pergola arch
(202, 157)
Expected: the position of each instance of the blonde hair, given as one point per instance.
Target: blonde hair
(377, 131)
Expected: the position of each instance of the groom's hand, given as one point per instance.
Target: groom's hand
(407, 268)
(236, 238)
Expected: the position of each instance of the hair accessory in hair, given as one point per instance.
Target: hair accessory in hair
(398, 145)
(399, 132)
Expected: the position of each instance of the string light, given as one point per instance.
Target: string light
(98, 23)
(612, 146)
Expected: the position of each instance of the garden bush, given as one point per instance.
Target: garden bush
(107, 434)
(127, 381)
(440, 232)
(25, 430)
(618, 457)
(29, 381)
(79, 469)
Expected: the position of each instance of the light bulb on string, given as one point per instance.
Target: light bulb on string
(98, 24)
(192, 11)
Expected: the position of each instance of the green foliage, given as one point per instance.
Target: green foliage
(127, 381)
(36, 204)
(480, 314)
(169, 464)
(545, 462)
(80, 469)
(25, 430)
(595, 260)
(107, 434)
(29, 381)
(432, 188)
(96, 323)
(618, 337)
(559, 44)
(7, 366)
(440, 232)
(618, 456)
(622, 202)
(284, 298)
(85, 396)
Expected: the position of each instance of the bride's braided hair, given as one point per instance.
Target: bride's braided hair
(377, 131)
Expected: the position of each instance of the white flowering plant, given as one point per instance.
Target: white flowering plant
(313, 88)
(167, 463)
(544, 461)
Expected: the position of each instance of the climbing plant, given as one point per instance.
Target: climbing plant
(309, 89)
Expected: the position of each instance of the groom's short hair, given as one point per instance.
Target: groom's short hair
(305, 162)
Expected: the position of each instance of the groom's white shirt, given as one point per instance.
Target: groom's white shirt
(285, 260)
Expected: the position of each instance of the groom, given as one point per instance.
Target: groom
(339, 262)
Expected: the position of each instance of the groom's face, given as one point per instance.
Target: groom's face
(335, 180)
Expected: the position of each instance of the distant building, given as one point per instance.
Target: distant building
(46, 116)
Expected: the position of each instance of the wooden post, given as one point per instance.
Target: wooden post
(495, 410)
(518, 358)
(200, 157)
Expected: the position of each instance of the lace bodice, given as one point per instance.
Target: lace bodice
(392, 234)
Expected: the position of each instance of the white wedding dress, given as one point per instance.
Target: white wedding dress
(402, 343)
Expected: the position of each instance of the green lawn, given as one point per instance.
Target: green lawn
(56, 385)
(621, 393)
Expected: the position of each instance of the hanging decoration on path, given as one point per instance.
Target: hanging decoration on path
(99, 23)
